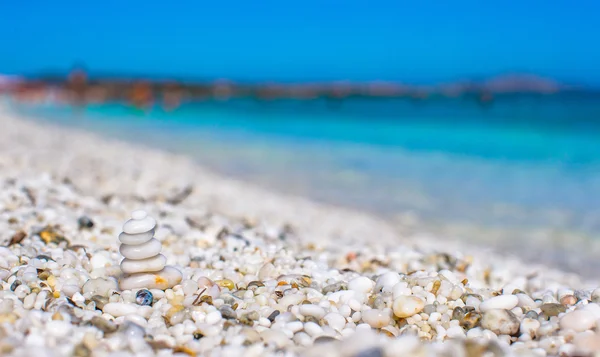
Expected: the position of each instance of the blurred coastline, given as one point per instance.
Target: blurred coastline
(512, 161)
(79, 88)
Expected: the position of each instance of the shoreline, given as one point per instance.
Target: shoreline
(283, 273)
(215, 192)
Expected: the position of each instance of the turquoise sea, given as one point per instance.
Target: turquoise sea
(525, 162)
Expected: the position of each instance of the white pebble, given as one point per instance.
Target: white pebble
(578, 320)
(100, 260)
(506, 302)
(376, 318)
(117, 309)
(213, 317)
(148, 265)
(361, 284)
(406, 306)
(313, 329)
(387, 281)
(335, 320)
(529, 327)
(312, 310)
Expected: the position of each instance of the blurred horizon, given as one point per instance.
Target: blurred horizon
(312, 41)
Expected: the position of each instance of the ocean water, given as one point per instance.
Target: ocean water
(525, 162)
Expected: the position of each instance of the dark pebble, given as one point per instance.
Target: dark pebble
(458, 313)
(551, 309)
(227, 312)
(273, 315)
(85, 222)
(532, 314)
(144, 297)
(14, 285)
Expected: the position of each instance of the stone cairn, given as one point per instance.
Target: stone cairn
(144, 266)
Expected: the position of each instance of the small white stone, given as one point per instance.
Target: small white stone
(302, 339)
(434, 316)
(506, 302)
(164, 279)
(117, 309)
(361, 284)
(99, 286)
(312, 310)
(456, 332)
(100, 260)
(313, 329)
(136, 226)
(294, 326)
(500, 321)
(578, 320)
(387, 281)
(266, 271)
(136, 239)
(139, 214)
(526, 301)
(293, 299)
(401, 289)
(345, 310)
(473, 301)
(141, 251)
(593, 309)
(69, 290)
(213, 317)
(335, 320)
(148, 265)
(377, 318)
(529, 327)
(406, 306)
(29, 301)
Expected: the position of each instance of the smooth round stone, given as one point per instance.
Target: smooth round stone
(407, 306)
(164, 279)
(136, 239)
(387, 280)
(500, 322)
(335, 320)
(529, 327)
(100, 261)
(361, 284)
(525, 301)
(144, 297)
(506, 302)
(578, 320)
(141, 251)
(131, 266)
(99, 286)
(312, 310)
(376, 318)
(136, 226)
(139, 214)
(117, 309)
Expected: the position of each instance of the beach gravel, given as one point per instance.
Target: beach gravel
(262, 274)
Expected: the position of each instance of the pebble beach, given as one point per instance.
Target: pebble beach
(261, 274)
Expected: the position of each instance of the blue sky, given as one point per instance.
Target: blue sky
(416, 41)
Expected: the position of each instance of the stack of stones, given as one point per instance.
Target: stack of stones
(144, 266)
